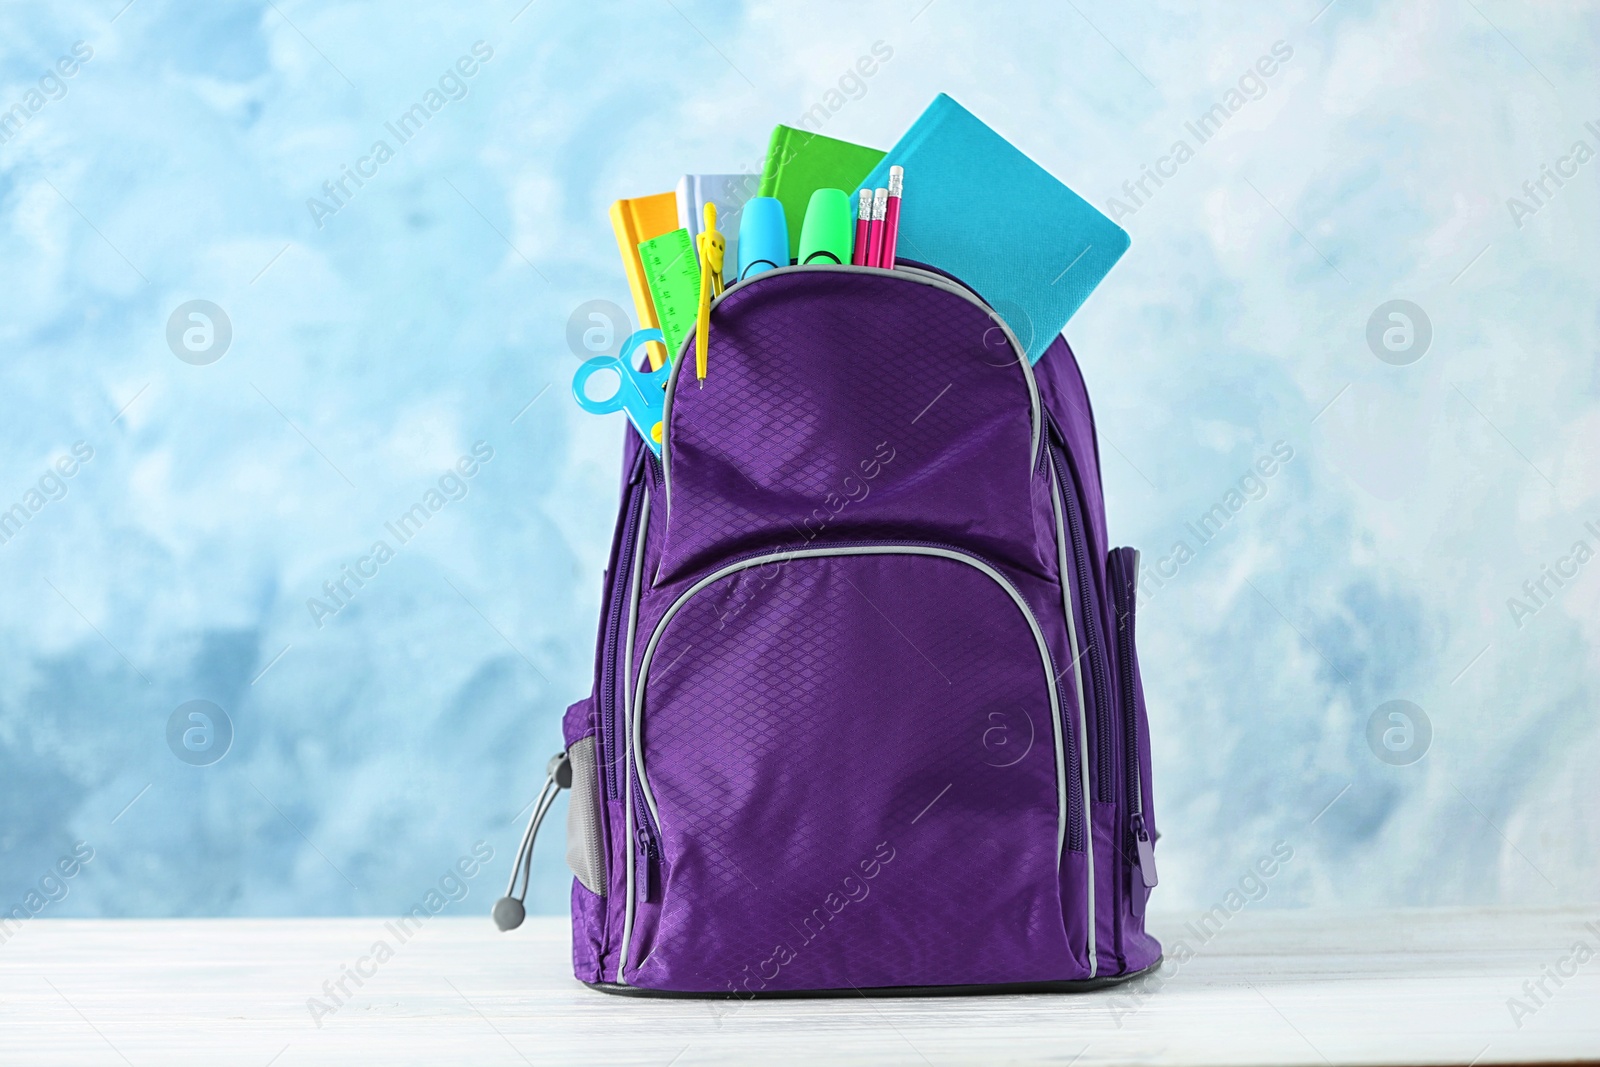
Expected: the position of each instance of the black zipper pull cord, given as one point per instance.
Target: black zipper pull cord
(509, 910)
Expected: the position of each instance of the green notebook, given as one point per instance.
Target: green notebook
(799, 163)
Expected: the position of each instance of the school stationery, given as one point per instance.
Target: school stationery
(641, 393)
(994, 218)
(672, 272)
(825, 236)
(763, 237)
(799, 163)
(880, 207)
(728, 191)
(635, 220)
(891, 217)
(712, 251)
(858, 255)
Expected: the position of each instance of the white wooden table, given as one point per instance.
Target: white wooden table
(1273, 987)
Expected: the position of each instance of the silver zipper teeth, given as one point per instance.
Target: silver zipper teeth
(594, 850)
(634, 706)
(912, 274)
(1083, 714)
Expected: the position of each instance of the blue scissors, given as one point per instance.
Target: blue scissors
(642, 394)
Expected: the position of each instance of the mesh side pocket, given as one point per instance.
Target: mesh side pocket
(585, 843)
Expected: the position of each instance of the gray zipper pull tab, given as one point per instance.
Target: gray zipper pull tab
(509, 910)
(1147, 852)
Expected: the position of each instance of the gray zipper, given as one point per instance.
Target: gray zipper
(1083, 714)
(1138, 783)
(912, 274)
(1143, 845)
(634, 705)
(627, 693)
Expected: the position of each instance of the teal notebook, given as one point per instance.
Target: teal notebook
(975, 206)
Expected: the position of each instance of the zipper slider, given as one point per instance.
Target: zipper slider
(650, 868)
(1147, 852)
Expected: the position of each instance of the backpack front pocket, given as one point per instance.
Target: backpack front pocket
(823, 379)
(852, 770)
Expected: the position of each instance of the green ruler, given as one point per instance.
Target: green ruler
(672, 270)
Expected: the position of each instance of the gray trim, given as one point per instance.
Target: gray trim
(1083, 714)
(636, 704)
(912, 274)
(627, 691)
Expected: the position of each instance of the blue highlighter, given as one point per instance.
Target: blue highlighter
(763, 236)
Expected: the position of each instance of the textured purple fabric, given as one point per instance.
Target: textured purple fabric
(1066, 398)
(578, 722)
(1096, 675)
(588, 909)
(1124, 945)
(851, 708)
(842, 405)
(853, 757)
(1139, 949)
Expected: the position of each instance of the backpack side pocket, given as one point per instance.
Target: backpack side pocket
(586, 853)
(1138, 846)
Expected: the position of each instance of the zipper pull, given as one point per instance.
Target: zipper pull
(649, 867)
(1147, 852)
(509, 910)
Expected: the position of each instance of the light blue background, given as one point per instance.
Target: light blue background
(371, 351)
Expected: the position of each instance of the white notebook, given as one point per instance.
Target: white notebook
(729, 192)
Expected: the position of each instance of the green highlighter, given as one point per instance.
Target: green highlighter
(829, 228)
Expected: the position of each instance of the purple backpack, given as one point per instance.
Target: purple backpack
(867, 714)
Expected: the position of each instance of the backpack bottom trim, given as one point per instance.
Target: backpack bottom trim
(1076, 985)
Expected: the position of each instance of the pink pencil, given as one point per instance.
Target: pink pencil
(891, 217)
(858, 254)
(880, 203)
